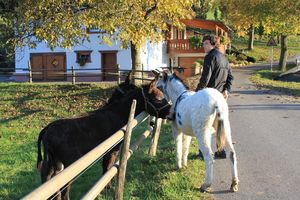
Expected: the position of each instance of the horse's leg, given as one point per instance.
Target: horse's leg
(204, 139)
(178, 140)
(233, 159)
(185, 150)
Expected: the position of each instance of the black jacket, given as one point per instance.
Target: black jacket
(216, 72)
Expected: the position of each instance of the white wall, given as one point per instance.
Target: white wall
(153, 55)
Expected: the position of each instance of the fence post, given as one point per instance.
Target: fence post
(142, 73)
(30, 72)
(73, 75)
(155, 137)
(124, 155)
(119, 74)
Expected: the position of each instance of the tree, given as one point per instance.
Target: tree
(283, 18)
(61, 22)
(242, 15)
(7, 18)
(276, 16)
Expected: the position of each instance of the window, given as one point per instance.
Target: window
(94, 30)
(83, 57)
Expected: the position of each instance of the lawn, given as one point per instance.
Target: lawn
(264, 78)
(26, 108)
(262, 52)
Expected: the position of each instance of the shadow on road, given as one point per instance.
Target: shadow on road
(265, 107)
(221, 192)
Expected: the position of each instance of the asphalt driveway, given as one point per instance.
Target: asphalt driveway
(266, 129)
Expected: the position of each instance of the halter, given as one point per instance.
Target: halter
(181, 96)
(146, 100)
(120, 90)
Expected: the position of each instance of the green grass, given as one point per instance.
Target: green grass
(264, 78)
(26, 108)
(263, 53)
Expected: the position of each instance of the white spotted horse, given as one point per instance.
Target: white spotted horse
(198, 114)
(66, 140)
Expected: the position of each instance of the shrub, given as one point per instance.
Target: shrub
(196, 41)
(224, 40)
(251, 59)
(241, 57)
(231, 58)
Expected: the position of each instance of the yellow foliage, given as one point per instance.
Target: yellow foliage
(60, 22)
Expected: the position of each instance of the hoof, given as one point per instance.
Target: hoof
(205, 188)
(234, 186)
(200, 155)
(220, 155)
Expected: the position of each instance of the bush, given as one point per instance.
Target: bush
(231, 58)
(196, 41)
(224, 40)
(241, 57)
(251, 59)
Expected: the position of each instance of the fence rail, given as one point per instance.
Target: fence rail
(57, 182)
(32, 75)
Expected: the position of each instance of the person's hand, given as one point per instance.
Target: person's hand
(225, 94)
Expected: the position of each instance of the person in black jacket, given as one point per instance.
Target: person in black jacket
(216, 74)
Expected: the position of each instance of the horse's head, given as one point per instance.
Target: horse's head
(155, 103)
(122, 89)
(170, 83)
(162, 79)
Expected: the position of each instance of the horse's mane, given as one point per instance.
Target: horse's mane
(182, 79)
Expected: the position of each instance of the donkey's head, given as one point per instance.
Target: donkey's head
(122, 89)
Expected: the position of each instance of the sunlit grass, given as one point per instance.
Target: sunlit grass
(264, 78)
(26, 108)
(262, 52)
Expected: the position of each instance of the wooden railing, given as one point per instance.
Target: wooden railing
(182, 46)
(71, 75)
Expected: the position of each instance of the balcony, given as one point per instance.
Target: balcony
(181, 46)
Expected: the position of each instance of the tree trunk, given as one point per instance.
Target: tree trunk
(283, 52)
(136, 63)
(251, 38)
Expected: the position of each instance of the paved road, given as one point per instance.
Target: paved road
(266, 128)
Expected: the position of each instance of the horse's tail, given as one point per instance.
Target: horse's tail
(39, 157)
(220, 135)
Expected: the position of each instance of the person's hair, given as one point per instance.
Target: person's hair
(212, 39)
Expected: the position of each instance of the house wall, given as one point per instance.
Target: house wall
(153, 55)
(23, 55)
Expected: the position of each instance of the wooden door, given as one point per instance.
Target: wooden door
(187, 63)
(109, 65)
(37, 67)
(55, 65)
(48, 66)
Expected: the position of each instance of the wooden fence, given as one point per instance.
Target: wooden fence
(53, 185)
(73, 73)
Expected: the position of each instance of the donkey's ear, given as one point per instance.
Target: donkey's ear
(128, 79)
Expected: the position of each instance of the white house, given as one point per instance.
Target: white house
(91, 57)
(87, 58)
